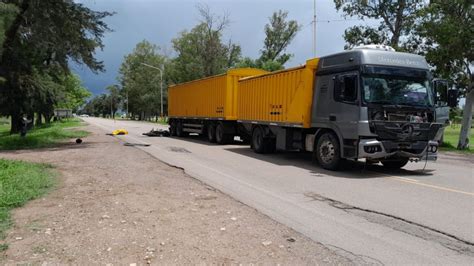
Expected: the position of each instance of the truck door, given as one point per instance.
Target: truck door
(440, 89)
(345, 110)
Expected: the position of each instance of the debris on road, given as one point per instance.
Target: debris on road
(136, 144)
(157, 133)
(267, 243)
(118, 132)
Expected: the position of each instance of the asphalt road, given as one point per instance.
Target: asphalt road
(367, 213)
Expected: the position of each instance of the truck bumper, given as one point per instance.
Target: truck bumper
(416, 151)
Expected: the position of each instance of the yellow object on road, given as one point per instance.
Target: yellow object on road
(120, 132)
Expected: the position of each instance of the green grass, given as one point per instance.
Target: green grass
(40, 137)
(20, 182)
(451, 138)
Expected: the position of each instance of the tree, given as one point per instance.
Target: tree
(447, 29)
(397, 21)
(114, 99)
(141, 84)
(201, 51)
(73, 95)
(360, 35)
(44, 36)
(278, 35)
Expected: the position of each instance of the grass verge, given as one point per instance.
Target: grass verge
(40, 137)
(451, 138)
(20, 182)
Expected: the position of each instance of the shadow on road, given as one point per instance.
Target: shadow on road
(304, 160)
(349, 169)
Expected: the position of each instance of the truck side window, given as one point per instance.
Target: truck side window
(345, 88)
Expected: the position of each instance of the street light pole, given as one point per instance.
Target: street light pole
(161, 83)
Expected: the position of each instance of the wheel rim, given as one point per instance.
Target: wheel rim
(327, 151)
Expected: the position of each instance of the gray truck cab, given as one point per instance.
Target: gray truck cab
(379, 103)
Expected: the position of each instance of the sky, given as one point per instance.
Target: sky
(159, 21)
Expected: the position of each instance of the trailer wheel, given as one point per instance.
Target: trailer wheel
(258, 140)
(172, 128)
(395, 164)
(328, 152)
(211, 133)
(221, 137)
(179, 130)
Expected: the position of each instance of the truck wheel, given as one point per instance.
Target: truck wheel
(179, 130)
(395, 164)
(328, 152)
(173, 128)
(258, 141)
(211, 133)
(221, 137)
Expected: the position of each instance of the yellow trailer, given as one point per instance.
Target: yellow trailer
(197, 106)
(208, 98)
(279, 98)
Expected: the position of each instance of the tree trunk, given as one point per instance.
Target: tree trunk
(466, 121)
(39, 119)
(15, 123)
(47, 118)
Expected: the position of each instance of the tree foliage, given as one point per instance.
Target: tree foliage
(201, 52)
(279, 33)
(40, 39)
(73, 94)
(446, 30)
(140, 83)
(397, 20)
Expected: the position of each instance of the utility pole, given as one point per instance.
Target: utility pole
(314, 29)
(161, 83)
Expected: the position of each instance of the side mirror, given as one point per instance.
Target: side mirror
(453, 98)
(440, 91)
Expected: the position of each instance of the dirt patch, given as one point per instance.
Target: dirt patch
(117, 204)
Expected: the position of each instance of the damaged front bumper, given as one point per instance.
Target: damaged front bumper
(416, 151)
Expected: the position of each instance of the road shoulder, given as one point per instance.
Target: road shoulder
(119, 204)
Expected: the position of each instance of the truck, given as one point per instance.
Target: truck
(367, 103)
(207, 106)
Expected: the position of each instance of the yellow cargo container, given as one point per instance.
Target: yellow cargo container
(283, 97)
(208, 98)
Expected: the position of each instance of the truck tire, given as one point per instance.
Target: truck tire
(173, 128)
(395, 164)
(328, 152)
(258, 140)
(221, 137)
(179, 130)
(211, 133)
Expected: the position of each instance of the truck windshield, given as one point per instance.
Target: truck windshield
(396, 90)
